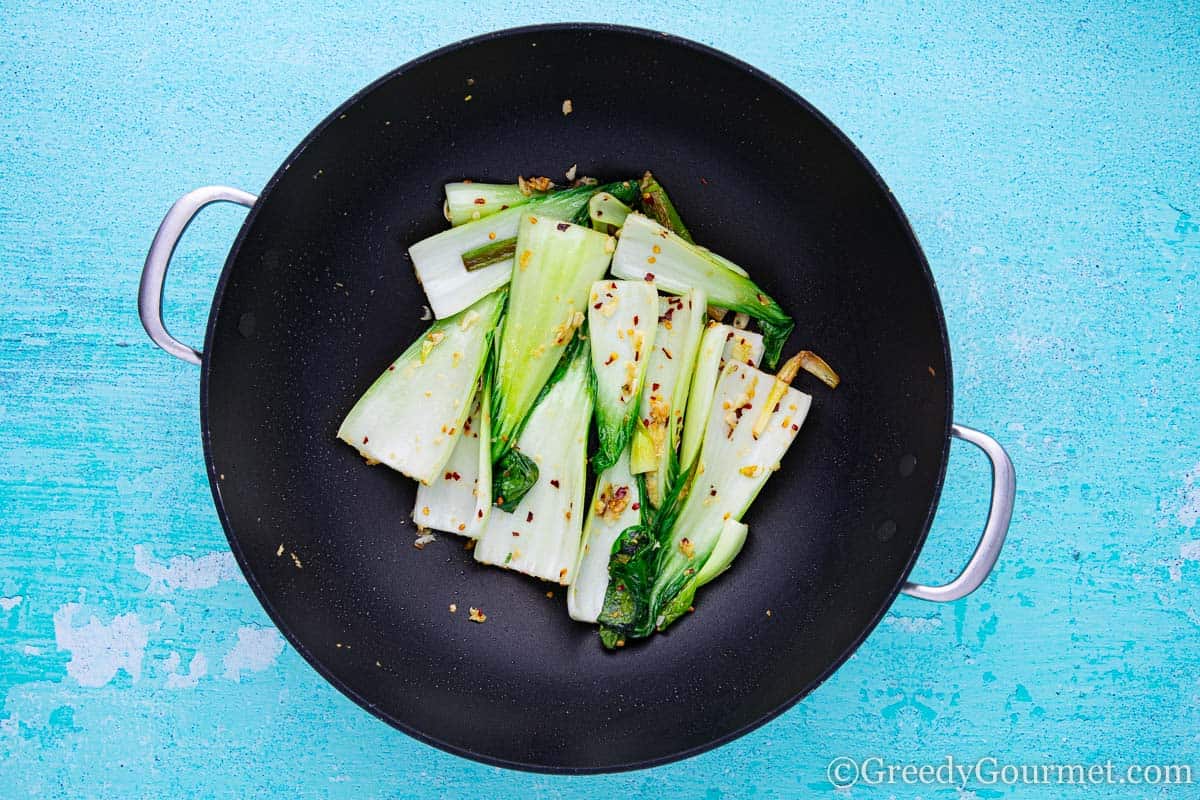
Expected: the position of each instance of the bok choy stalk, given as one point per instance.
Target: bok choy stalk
(557, 263)
(622, 317)
(488, 244)
(745, 347)
(649, 251)
(709, 364)
(460, 499)
(411, 418)
(655, 570)
(665, 396)
(616, 505)
(540, 536)
(607, 213)
(656, 204)
(467, 201)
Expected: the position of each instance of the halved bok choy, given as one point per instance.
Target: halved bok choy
(557, 264)
(458, 266)
(540, 535)
(411, 418)
(753, 419)
(664, 399)
(622, 320)
(616, 505)
(649, 251)
(460, 499)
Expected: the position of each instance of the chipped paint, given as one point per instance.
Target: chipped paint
(256, 650)
(185, 572)
(99, 650)
(9, 603)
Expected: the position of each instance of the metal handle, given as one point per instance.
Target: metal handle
(154, 274)
(1004, 492)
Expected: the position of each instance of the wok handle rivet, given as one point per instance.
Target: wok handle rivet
(983, 560)
(154, 273)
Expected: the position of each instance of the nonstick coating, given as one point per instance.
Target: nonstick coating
(318, 296)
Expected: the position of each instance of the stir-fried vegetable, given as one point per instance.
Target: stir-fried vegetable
(665, 396)
(412, 416)
(607, 213)
(468, 201)
(622, 317)
(557, 263)
(649, 251)
(616, 505)
(441, 260)
(688, 428)
(460, 499)
(733, 466)
(540, 536)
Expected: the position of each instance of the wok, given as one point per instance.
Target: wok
(317, 296)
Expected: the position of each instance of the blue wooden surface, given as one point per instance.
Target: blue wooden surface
(1048, 161)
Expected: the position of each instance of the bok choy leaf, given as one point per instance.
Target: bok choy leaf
(622, 317)
(649, 251)
(557, 263)
(540, 536)
(412, 417)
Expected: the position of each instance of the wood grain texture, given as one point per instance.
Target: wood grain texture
(1049, 164)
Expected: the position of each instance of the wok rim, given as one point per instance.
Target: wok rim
(244, 563)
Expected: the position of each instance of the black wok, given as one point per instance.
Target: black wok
(317, 296)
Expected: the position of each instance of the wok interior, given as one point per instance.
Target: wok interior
(322, 273)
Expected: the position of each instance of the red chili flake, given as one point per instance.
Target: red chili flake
(637, 355)
(504, 207)
(562, 226)
(704, 181)
(612, 285)
(729, 336)
(620, 587)
(620, 493)
(775, 409)
(611, 358)
(667, 353)
(516, 533)
(554, 482)
(635, 319)
(364, 440)
(795, 427)
(636, 506)
(670, 313)
(480, 201)
(449, 475)
(650, 277)
(712, 492)
(654, 387)
(479, 513)
(529, 517)
(598, 306)
(456, 476)
(392, 368)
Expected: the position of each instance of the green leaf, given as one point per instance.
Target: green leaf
(512, 478)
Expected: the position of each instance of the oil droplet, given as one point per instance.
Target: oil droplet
(908, 465)
(886, 530)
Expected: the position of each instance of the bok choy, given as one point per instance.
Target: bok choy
(412, 417)
(616, 505)
(458, 266)
(622, 317)
(657, 564)
(540, 536)
(649, 251)
(460, 499)
(557, 263)
(665, 396)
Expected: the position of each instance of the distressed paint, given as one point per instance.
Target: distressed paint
(1048, 161)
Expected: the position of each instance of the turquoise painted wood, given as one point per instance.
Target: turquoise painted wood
(1048, 160)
